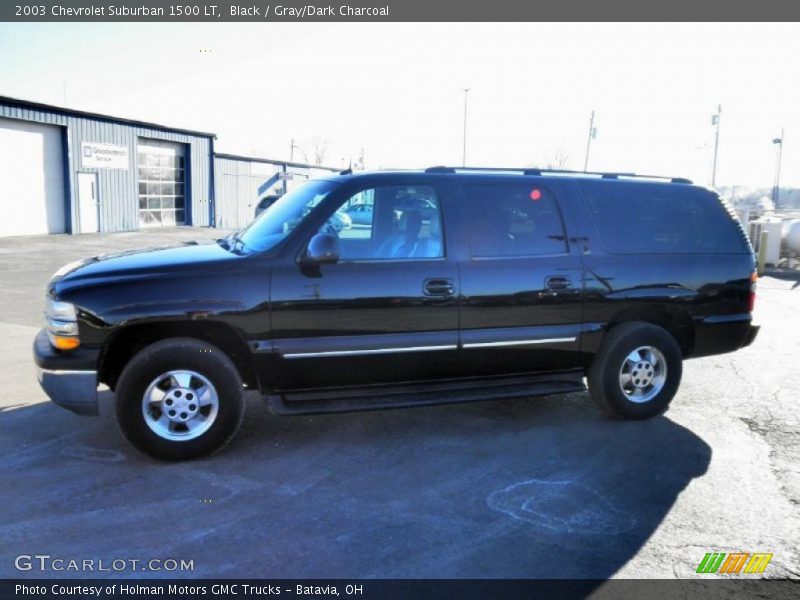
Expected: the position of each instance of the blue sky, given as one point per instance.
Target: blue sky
(394, 89)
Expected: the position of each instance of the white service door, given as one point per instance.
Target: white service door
(31, 178)
(88, 202)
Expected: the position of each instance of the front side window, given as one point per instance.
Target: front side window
(512, 220)
(389, 223)
(277, 222)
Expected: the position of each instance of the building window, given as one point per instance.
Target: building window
(162, 187)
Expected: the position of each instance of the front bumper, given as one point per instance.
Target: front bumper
(69, 379)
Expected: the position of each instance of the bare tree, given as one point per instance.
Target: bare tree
(319, 148)
(557, 158)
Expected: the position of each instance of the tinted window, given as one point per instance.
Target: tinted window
(517, 220)
(389, 223)
(644, 218)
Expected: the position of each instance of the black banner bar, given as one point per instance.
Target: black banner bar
(390, 589)
(395, 10)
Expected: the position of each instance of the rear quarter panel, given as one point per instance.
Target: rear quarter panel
(705, 289)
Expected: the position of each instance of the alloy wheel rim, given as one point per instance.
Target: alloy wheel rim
(643, 374)
(180, 405)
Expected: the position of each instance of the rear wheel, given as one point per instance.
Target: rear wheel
(179, 399)
(636, 372)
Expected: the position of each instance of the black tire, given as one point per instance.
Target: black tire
(177, 354)
(604, 374)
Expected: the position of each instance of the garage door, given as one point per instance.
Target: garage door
(162, 184)
(31, 179)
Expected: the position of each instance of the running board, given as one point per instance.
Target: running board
(425, 394)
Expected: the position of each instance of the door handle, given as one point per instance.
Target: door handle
(557, 282)
(439, 287)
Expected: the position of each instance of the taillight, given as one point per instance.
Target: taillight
(751, 302)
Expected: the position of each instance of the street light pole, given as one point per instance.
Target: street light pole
(592, 135)
(464, 146)
(776, 190)
(715, 119)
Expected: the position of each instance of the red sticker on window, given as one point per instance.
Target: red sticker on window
(536, 194)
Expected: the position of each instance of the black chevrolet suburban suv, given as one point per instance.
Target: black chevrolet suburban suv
(468, 284)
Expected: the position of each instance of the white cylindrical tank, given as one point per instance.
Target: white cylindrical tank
(791, 236)
(772, 225)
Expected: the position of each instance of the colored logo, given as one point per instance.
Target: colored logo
(734, 562)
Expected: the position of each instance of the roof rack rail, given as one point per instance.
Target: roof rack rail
(566, 172)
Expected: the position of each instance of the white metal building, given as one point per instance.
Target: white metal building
(241, 181)
(69, 171)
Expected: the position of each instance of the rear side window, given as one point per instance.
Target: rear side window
(512, 220)
(645, 218)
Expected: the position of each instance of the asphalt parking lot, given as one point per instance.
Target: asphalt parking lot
(541, 487)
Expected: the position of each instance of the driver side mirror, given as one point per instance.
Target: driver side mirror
(323, 249)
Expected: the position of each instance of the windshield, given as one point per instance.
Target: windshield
(275, 223)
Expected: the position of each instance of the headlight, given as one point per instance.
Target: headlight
(62, 324)
(61, 311)
(62, 327)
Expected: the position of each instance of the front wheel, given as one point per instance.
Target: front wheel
(636, 372)
(179, 398)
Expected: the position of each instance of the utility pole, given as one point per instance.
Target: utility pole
(464, 147)
(592, 135)
(776, 190)
(715, 119)
(292, 146)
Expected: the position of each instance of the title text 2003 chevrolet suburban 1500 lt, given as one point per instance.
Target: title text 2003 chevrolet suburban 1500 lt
(464, 284)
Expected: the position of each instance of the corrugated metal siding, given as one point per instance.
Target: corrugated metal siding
(236, 182)
(118, 189)
(236, 189)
